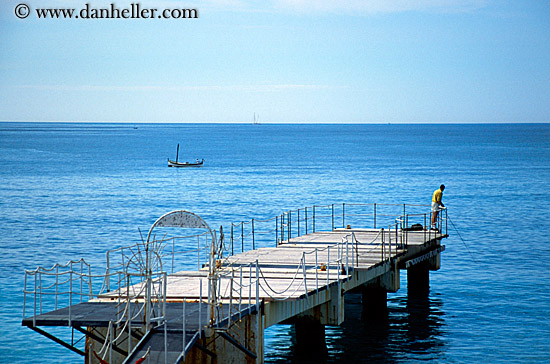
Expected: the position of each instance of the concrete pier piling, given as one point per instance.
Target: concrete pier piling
(418, 280)
(310, 337)
(375, 305)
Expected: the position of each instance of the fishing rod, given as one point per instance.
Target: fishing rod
(463, 241)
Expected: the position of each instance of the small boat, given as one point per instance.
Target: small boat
(198, 163)
(175, 163)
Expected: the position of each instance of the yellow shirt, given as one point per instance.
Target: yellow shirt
(437, 196)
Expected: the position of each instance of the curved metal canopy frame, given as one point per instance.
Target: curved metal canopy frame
(181, 219)
(186, 219)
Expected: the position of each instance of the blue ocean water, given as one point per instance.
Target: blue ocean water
(76, 190)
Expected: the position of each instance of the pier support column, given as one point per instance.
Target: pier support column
(375, 294)
(375, 304)
(309, 325)
(418, 280)
(310, 337)
(242, 343)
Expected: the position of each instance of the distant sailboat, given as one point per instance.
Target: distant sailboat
(256, 122)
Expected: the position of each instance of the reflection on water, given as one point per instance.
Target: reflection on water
(413, 332)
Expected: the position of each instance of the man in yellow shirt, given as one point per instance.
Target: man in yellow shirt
(437, 204)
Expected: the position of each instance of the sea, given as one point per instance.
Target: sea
(75, 190)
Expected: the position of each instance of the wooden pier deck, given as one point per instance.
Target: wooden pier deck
(280, 265)
(280, 268)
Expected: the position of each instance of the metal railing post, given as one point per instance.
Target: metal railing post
(383, 243)
(119, 297)
(129, 322)
(165, 289)
(396, 237)
(40, 292)
(242, 237)
(70, 294)
(446, 219)
(289, 225)
(276, 231)
(107, 276)
(316, 272)
(253, 237)
(313, 218)
(25, 295)
(356, 249)
(240, 289)
(389, 236)
(257, 289)
(425, 226)
(375, 215)
(183, 328)
(282, 226)
(304, 270)
(230, 297)
(249, 285)
(347, 256)
(165, 324)
(199, 252)
(343, 216)
(111, 341)
(174, 253)
(56, 283)
(200, 308)
(81, 279)
(306, 219)
(332, 214)
(232, 253)
(406, 230)
(298, 222)
(35, 294)
(328, 265)
(91, 295)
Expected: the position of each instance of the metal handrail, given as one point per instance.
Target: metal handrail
(295, 223)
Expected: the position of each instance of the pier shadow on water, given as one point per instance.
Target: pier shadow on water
(412, 332)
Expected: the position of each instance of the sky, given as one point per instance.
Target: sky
(287, 61)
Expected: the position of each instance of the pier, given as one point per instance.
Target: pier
(295, 268)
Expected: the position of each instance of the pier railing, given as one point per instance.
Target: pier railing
(65, 285)
(319, 267)
(256, 233)
(238, 290)
(185, 252)
(57, 287)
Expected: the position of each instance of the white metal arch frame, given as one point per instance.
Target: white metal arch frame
(185, 219)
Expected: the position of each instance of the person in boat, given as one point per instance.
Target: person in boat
(437, 205)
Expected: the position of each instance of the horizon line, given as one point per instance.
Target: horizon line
(276, 123)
